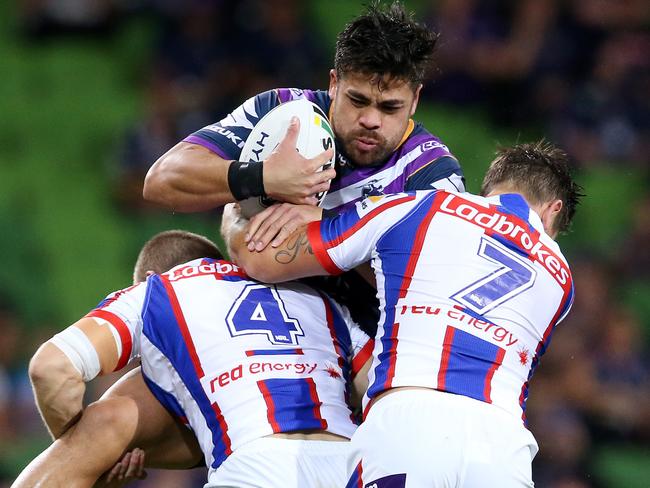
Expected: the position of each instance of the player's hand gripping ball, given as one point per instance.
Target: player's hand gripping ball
(315, 136)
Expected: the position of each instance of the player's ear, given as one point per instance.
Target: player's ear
(416, 99)
(549, 216)
(333, 82)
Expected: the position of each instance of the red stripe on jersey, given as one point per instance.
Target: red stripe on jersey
(369, 216)
(122, 330)
(270, 406)
(330, 325)
(444, 361)
(392, 357)
(362, 356)
(490, 374)
(224, 429)
(182, 325)
(313, 395)
(420, 235)
(320, 251)
(522, 399)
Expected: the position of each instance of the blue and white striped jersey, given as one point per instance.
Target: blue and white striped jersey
(470, 289)
(238, 360)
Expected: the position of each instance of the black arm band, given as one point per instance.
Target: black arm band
(329, 213)
(245, 179)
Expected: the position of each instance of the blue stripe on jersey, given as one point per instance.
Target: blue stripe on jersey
(513, 203)
(395, 250)
(331, 230)
(292, 404)
(341, 340)
(343, 343)
(161, 327)
(273, 352)
(165, 398)
(468, 364)
(356, 480)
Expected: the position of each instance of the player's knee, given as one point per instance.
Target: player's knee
(112, 418)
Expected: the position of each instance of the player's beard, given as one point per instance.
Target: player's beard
(372, 157)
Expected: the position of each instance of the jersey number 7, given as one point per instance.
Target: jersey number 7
(512, 275)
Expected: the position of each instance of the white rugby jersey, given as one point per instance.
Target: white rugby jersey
(236, 359)
(470, 289)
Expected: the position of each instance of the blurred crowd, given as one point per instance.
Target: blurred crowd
(578, 67)
(578, 70)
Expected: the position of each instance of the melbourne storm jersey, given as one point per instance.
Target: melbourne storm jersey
(470, 290)
(235, 359)
(420, 162)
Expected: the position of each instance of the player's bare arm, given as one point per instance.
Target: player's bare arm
(58, 384)
(191, 178)
(292, 259)
(58, 388)
(188, 178)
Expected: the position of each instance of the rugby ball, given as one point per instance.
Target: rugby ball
(314, 137)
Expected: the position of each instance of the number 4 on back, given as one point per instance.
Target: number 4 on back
(260, 310)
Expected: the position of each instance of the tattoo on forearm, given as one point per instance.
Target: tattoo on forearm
(293, 247)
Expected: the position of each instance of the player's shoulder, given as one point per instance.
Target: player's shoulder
(421, 140)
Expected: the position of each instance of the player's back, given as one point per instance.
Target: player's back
(470, 290)
(242, 360)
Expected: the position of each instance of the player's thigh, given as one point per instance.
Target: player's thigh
(165, 440)
(283, 463)
(394, 450)
(430, 439)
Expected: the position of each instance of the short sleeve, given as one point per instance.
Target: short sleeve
(345, 241)
(228, 136)
(122, 310)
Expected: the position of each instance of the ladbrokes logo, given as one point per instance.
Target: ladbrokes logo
(509, 228)
(218, 267)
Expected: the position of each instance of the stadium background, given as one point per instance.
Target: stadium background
(92, 92)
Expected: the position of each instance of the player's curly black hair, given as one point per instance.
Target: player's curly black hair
(541, 172)
(385, 42)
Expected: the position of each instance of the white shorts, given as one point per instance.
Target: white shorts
(283, 463)
(426, 438)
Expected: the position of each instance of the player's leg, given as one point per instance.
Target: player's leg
(398, 445)
(84, 452)
(127, 416)
(166, 441)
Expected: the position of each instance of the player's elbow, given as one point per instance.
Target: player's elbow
(49, 363)
(156, 182)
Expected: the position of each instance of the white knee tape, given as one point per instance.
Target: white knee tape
(79, 350)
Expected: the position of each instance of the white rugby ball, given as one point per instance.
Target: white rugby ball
(314, 137)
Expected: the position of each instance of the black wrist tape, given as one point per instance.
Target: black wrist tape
(245, 179)
(329, 213)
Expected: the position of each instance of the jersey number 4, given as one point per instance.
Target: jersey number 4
(259, 310)
(512, 275)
